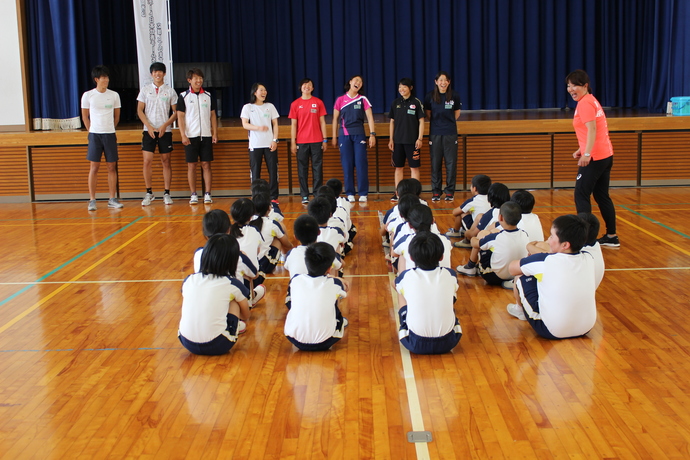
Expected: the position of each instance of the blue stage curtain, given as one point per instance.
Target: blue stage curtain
(501, 54)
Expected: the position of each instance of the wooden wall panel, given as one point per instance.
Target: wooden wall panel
(511, 159)
(665, 158)
(63, 170)
(14, 175)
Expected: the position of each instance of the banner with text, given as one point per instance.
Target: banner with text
(153, 38)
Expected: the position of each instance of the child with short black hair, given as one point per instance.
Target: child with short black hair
(320, 209)
(306, 230)
(465, 214)
(426, 296)
(274, 240)
(314, 321)
(592, 245)
(344, 208)
(530, 222)
(214, 305)
(249, 238)
(261, 185)
(497, 195)
(493, 251)
(555, 291)
(419, 219)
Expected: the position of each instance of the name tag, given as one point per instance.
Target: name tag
(164, 99)
(449, 105)
(411, 112)
(205, 104)
(109, 106)
(313, 110)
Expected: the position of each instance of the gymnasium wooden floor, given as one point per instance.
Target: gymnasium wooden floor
(90, 364)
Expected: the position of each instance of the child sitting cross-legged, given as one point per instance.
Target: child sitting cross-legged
(306, 230)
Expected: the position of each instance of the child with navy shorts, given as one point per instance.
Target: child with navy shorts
(419, 219)
(555, 291)
(426, 296)
(320, 209)
(314, 321)
(249, 238)
(274, 240)
(497, 195)
(530, 222)
(465, 214)
(214, 302)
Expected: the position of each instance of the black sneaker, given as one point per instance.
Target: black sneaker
(609, 241)
(449, 197)
(436, 197)
(394, 198)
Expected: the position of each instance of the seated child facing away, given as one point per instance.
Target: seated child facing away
(274, 240)
(492, 252)
(214, 303)
(306, 230)
(391, 218)
(555, 291)
(465, 214)
(419, 219)
(261, 186)
(218, 221)
(320, 209)
(249, 238)
(314, 321)
(497, 195)
(344, 207)
(426, 296)
(336, 221)
(530, 222)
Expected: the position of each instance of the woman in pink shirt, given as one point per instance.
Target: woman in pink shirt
(595, 155)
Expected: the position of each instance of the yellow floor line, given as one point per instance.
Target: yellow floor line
(655, 236)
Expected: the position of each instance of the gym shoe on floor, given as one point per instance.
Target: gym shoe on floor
(148, 199)
(351, 198)
(465, 270)
(305, 200)
(345, 322)
(609, 241)
(508, 284)
(114, 203)
(452, 233)
(363, 199)
(449, 197)
(462, 244)
(517, 311)
(167, 199)
(194, 199)
(259, 293)
(241, 327)
(92, 205)
(394, 198)
(436, 197)
(275, 201)
(207, 198)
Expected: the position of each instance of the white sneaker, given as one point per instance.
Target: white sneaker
(241, 327)
(462, 244)
(351, 198)
(362, 199)
(259, 293)
(148, 199)
(465, 270)
(115, 203)
(517, 311)
(194, 199)
(452, 233)
(508, 284)
(167, 199)
(92, 205)
(207, 198)
(345, 322)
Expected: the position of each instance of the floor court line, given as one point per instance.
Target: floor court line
(655, 236)
(656, 221)
(60, 267)
(64, 286)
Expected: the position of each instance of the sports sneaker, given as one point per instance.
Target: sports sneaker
(305, 200)
(259, 293)
(345, 322)
(362, 199)
(148, 199)
(92, 205)
(194, 199)
(508, 284)
(275, 201)
(167, 199)
(462, 244)
(207, 198)
(517, 311)
(394, 198)
(115, 203)
(241, 327)
(351, 198)
(449, 197)
(436, 197)
(609, 241)
(465, 270)
(452, 233)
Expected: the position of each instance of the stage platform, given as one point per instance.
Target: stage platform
(522, 148)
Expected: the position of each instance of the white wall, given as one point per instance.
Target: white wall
(12, 112)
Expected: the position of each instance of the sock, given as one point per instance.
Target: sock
(167, 192)
(471, 264)
(148, 190)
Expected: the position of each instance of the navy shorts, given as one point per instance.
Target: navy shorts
(529, 294)
(427, 345)
(199, 149)
(267, 264)
(218, 346)
(164, 142)
(405, 151)
(100, 144)
(326, 344)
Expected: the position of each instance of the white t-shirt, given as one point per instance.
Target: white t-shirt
(158, 103)
(270, 229)
(101, 110)
(260, 115)
(566, 287)
(599, 266)
(295, 264)
(402, 247)
(333, 236)
(250, 243)
(312, 302)
(429, 295)
(502, 248)
(205, 303)
(476, 205)
(244, 265)
(532, 225)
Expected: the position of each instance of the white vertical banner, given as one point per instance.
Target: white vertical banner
(151, 21)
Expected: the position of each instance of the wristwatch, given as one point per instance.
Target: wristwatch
(373, 133)
(588, 154)
(275, 140)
